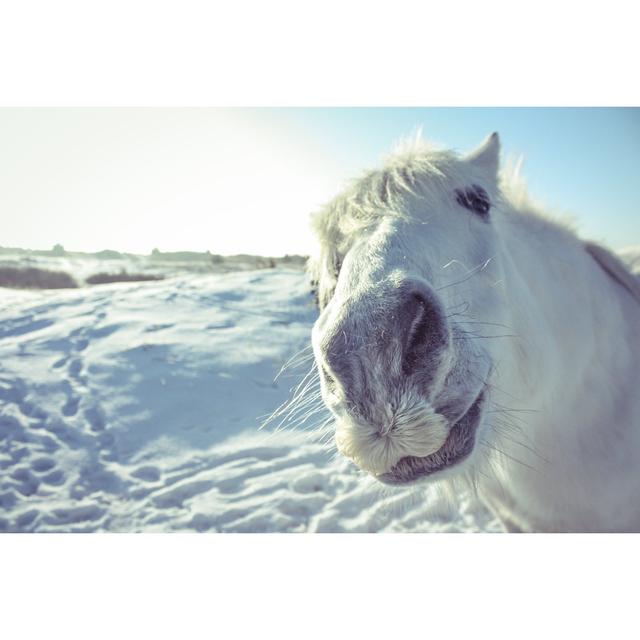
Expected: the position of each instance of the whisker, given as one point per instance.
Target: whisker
(296, 359)
(533, 450)
(473, 272)
(467, 334)
(506, 455)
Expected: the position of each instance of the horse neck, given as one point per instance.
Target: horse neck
(557, 297)
(572, 373)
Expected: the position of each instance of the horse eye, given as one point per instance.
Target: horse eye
(475, 199)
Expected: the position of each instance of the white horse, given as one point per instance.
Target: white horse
(463, 334)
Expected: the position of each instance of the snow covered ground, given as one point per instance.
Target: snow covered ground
(136, 407)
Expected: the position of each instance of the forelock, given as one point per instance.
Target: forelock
(415, 169)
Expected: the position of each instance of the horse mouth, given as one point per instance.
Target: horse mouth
(457, 447)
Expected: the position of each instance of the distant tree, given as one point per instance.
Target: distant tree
(58, 250)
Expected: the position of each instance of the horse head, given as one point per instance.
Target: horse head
(408, 280)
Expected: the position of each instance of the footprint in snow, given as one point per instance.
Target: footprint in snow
(40, 465)
(74, 369)
(148, 473)
(96, 418)
(70, 407)
(158, 327)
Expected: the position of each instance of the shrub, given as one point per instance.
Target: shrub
(34, 278)
(105, 278)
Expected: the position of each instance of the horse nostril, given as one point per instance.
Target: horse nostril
(424, 328)
(416, 327)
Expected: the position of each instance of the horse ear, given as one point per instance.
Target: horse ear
(487, 155)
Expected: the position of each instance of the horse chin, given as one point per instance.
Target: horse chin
(458, 447)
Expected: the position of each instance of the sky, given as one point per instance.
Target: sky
(245, 180)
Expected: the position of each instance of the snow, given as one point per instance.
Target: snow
(137, 406)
